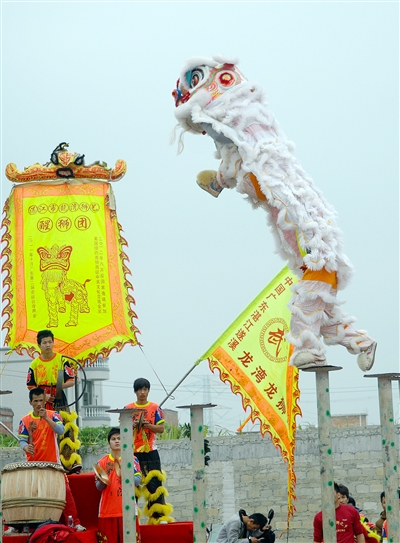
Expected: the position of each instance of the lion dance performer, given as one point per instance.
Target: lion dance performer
(213, 97)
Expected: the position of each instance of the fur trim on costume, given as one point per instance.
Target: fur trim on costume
(160, 508)
(155, 473)
(164, 519)
(293, 203)
(75, 458)
(161, 491)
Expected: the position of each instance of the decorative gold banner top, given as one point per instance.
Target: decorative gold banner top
(66, 165)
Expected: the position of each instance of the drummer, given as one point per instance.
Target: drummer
(43, 371)
(37, 433)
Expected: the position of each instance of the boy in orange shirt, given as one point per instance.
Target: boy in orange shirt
(110, 509)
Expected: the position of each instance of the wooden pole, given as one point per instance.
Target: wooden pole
(325, 450)
(389, 453)
(127, 474)
(198, 472)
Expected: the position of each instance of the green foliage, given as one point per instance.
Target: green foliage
(8, 441)
(92, 437)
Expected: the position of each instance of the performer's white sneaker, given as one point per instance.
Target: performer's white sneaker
(80, 528)
(366, 359)
(10, 530)
(306, 360)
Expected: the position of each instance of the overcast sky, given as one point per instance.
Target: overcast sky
(99, 75)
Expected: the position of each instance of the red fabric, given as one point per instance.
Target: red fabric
(70, 505)
(87, 499)
(348, 524)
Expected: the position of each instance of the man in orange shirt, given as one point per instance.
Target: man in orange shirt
(110, 508)
(37, 433)
(144, 437)
(43, 371)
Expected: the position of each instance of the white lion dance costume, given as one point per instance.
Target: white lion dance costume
(213, 97)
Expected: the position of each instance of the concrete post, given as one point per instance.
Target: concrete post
(389, 453)
(325, 450)
(198, 473)
(127, 474)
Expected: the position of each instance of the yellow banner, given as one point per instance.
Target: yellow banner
(252, 356)
(65, 270)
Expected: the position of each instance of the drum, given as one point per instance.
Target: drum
(32, 492)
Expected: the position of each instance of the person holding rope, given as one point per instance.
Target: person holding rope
(37, 434)
(44, 373)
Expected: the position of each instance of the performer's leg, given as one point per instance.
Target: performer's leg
(338, 330)
(157, 509)
(307, 307)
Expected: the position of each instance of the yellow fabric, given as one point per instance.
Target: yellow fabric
(254, 182)
(252, 356)
(65, 270)
(321, 275)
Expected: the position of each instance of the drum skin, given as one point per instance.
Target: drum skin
(32, 492)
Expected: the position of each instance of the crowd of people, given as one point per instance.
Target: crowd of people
(351, 524)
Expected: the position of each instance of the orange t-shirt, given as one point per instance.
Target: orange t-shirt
(145, 440)
(44, 438)
(111, 496)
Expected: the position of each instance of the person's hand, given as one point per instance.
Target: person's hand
(135, 423)
(30, 449)
(43, 413)
(146, 423)
(49, 398)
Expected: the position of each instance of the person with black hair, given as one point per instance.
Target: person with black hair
(37, 435)
(109, 483)
(43, 371)
(239, 527)
(348, 525)
(146, 425)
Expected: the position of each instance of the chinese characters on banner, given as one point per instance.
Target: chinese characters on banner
(252, 356)
(65, 269)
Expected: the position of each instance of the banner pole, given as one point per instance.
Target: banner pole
(180, 382)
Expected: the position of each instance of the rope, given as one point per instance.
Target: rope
(155, 373)
(11, 503)
(5, 363)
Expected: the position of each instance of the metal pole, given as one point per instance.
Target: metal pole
(180, 382)
(198, 472)
(389, 453)
(325, 451)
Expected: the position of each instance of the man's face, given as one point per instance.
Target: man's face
(46, 345)
(115, 443)
(342, 498)
(142, 395)
(37, 403)
(383, 502)
(252, 526)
